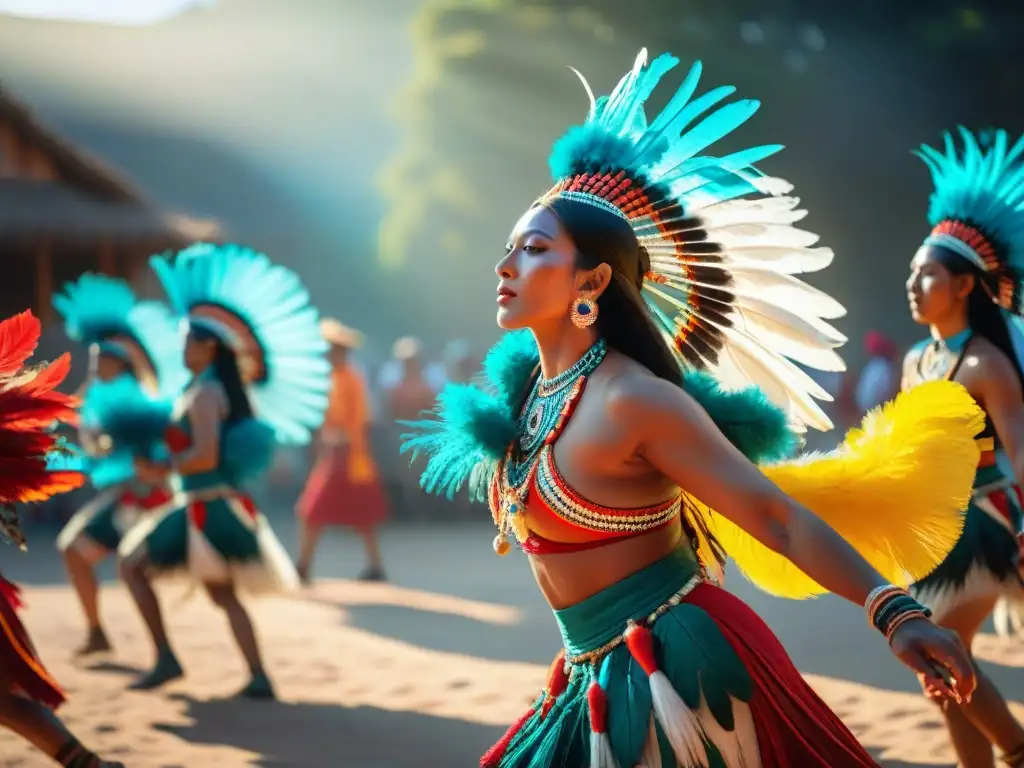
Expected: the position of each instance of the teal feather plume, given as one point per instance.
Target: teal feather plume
(248, 451)
(627, 685)
(133, 419)
(982, 187)
(273, 303)
(472, 425)
(747, 418)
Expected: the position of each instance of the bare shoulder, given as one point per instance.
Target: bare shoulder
(209, 396)
(987, 362)
(640, 401)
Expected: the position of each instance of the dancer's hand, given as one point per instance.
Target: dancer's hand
(939, 658)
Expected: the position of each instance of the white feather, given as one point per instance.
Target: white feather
(737, 747)
(678, 721)
(651, 756)
(743, 364)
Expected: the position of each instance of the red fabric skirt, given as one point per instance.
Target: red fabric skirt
(17, 655)
(795, 728)
(331, 497)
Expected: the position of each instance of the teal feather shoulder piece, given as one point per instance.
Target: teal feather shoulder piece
(473, 424)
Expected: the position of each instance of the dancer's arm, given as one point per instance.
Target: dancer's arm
(998, 387)
(205, 414)
(677, 437)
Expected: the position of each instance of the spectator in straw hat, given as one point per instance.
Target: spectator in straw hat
(344, 487)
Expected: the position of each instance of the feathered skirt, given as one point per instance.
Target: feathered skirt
(98, 527)
(18, 657)
(664, 670)
(213, 536)
(986, 559)
(343, 489)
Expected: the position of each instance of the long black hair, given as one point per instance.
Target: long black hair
(984, 316)
(623, 320)
(225, 368)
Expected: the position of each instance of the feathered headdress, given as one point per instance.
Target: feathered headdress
(30, 406)
(262, 312)
(721, 283)
(977, 208)
(104, 311)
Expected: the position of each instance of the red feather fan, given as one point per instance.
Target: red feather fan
(30, 408)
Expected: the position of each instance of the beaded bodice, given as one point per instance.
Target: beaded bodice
(528, 488)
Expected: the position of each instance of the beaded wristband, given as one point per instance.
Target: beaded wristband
(902, 619)
(889, 606)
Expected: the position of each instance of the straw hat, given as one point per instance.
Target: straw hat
(340, 335)
(406, 348)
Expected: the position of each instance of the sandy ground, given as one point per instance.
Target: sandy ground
(391, 676)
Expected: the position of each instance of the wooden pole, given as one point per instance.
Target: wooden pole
(44, 282)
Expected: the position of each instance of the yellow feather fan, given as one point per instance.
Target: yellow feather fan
(896, 490)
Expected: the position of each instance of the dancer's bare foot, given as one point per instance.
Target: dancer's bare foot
(164, 671)
(96, 642)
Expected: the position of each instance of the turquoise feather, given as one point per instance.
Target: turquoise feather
(272, 301)
(688, 633)
(626, 684)
(472, 425)
(982, 187)
(133, 420)
(248, 451)
(97, 307)
(752, 423)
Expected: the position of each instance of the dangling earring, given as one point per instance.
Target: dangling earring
(584, 312)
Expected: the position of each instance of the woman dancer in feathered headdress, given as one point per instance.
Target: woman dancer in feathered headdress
(965, 285)
(135, 373)
(260, 378)
(31, 470)
(655, 290)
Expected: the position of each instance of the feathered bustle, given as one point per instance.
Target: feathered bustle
(30, 407)
(896, 490)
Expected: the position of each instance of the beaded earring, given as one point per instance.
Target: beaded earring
(584, 312)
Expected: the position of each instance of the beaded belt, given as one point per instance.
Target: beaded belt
(596, 655)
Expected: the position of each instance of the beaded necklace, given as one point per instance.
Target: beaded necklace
(541, 420)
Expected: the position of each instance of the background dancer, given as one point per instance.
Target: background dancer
(344, 487)
(260, 377)
(135, 354)
(29, 406)
(965, 286)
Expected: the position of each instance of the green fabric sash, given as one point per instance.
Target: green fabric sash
(602, 617)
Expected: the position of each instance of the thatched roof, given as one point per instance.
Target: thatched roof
(51, 209)
(92, 199)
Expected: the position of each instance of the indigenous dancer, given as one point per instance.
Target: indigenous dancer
(344, 487)
(135, 355)
(965, 286)
(603, 410)
(29, 406)
(260, 377)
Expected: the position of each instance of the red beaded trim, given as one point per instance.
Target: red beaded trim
(973, 238)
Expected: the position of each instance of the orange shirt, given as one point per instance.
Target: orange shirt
(346, 420)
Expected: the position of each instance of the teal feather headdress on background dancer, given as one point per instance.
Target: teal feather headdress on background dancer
(977, 209)
(724, 254)
(262, 312)
(133, 409)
